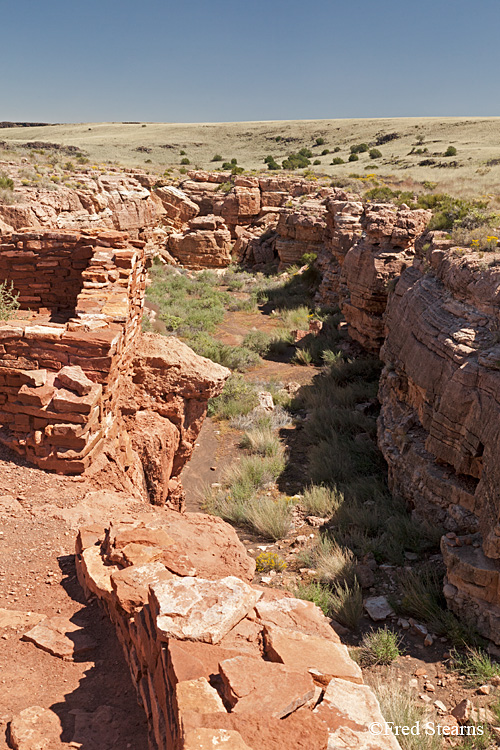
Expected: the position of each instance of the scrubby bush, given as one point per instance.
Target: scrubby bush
(322, 501)
(359, 148)
(450, 151)
(267, 561)
(325, 151)
(346, 604)
(296, 161)
(238, 397)
(185, 161)
(320, 141)
(306, 152)
(375, 153)
(8, 300)
(271, 163)
(338, 160)
(262, 441)
(6, 183)
(217, 157)
(379, 646)
(316, 162)
(353, 157)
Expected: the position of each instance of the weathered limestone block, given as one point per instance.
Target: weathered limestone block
(300, 230)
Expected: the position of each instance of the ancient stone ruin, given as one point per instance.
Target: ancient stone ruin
(215, 660)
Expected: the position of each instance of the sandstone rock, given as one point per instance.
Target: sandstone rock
(35, 728)
(301, 730)
(131, 585)
(60, 637)
(200, 610)
(462, 711)
(75, 379)
(378, 608)
(202, 248)
(179, 209)
(16, 619)
(252, 685)
(350, 711)
(294, 614)
(323, 659)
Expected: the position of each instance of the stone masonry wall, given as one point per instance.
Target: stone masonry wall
(58, 380)
(215, 660)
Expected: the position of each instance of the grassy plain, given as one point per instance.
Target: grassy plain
(475, 169)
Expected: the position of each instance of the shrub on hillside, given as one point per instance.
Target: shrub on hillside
(375, 153)
(353, 157)
(450, 151)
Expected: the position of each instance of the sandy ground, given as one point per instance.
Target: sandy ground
(157, 146)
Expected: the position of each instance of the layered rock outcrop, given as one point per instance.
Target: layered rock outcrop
(207, 243)
(385, 248)
(215, 660)
(439, 426)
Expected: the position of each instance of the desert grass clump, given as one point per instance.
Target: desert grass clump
(258, 341)
(296, 318)
(332, 561)
(262, 441)
(423, 599)
(346, 604)
(253, 473)
(400, 708)
(321, 501)
(379, 646)
(476, 664)
(271, 517)
(302, 357)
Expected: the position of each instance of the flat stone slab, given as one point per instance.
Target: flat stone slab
(378, 608)
(15, 618)
(194, 609)
(60, 637)
(258, 686)
(352, 714)
(35, 728)
(321, 658)
(201, 739)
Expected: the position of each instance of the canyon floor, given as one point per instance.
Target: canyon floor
(93, 697)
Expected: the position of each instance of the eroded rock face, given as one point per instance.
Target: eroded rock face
(162, 405)
(301, 230)
(179, 209)
(383, 251)
(439, 427)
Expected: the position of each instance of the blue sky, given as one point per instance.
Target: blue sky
(224, 60)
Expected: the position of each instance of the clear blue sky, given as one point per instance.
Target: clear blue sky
(223, 60)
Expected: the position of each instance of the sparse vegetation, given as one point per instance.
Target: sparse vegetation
(353, 157)
(379, 646)
(267, 561)
(476, 664)
(237, 398)
(8, 300)
(321, 501)
(346, 604)
(450, 151)
(375, 153)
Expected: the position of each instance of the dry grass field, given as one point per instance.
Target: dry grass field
(412, 149)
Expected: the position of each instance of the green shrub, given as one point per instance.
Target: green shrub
(325, 151)
(271, 162)
(182, 153)
(217, 157)
(336, 149)
(238, 397)
(316, 162)
(338, 160)
(185, 161)
(320, 141)
(302, 357)
(375, 153)
(267, 561)
(8, 300)
(306, 152)
(6, 183)
(353, 157)
(476, 664)
(450, 151)
(317, 593)
(258, 341)
(296, 161)
(379, 646)
(332, 561)
(359, 148)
